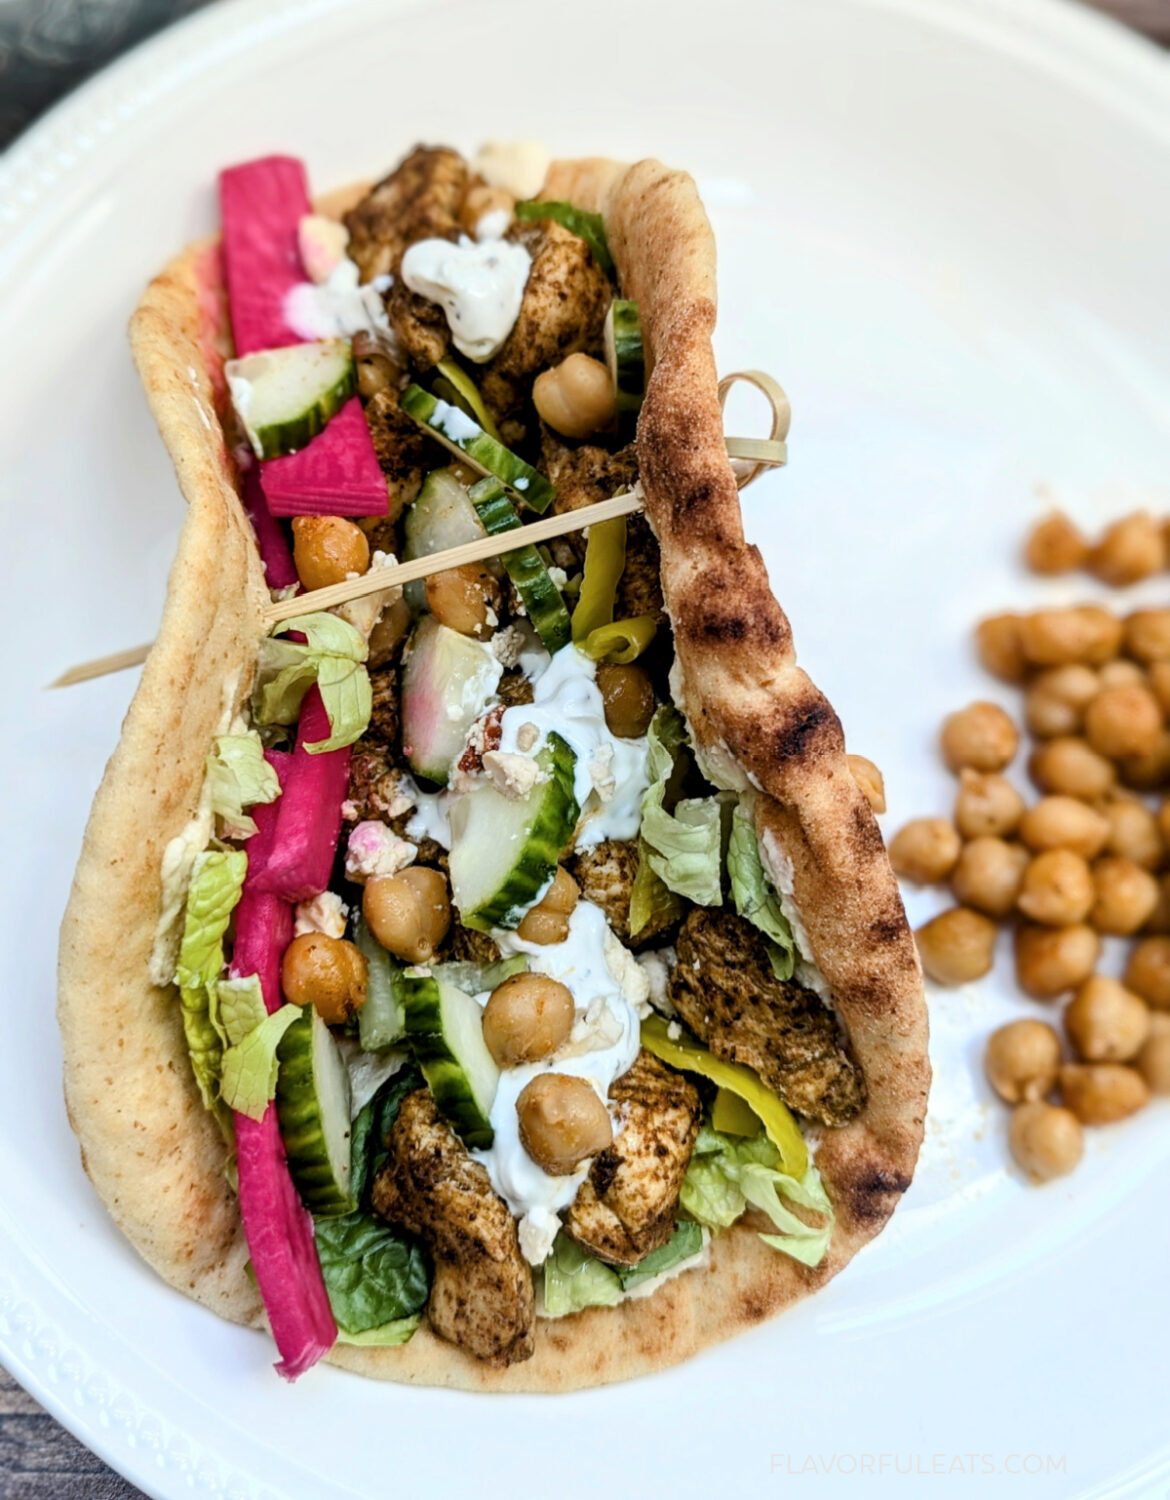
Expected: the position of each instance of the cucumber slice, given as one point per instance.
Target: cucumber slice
(453, 383)
(626, 361)
(441, 517)
(469, 442)
(445, 1028)
(284, 397)
(380, 1022)
(542, 599)
(476, 978)
(504, 850)
(312, 1102)
(447, 681)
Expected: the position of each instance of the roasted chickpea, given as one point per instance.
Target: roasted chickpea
(1121, 673)
(1056, 699)
(1153, 1061)
(1129, 550)
(1123, 720)
(1050, 960)
(327, 973)
(389, 633)
(1055, 545)
(957, 946)
(1148, 971)
(1151, 771)
(375, 373)
(925, 850)
(527, 1018)
(327, 549)
(464, 599)
(1057, 888)
(1099, 1093)
(480, 199)
(576, 397)
(1069, 767)
(409, 913)
(1022, 1060)
(981, 736)
(997, 645)
(1159, 679)
(1133, 832)
(870, 780)
(1045, 1140)
(628, 696)
(562, 1122)
(548, 921)
(1125, 895)
(1105, 1021)
(1064, 823)
(988, 875)
(1084, 633)
(987, 805)
(1159, 919)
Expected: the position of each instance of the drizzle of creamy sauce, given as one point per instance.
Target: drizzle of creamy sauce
(339, 307)
(478, 284)
(601, 1047)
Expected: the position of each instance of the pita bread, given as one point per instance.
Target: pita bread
(156, 1158)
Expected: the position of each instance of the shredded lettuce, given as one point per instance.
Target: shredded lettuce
(331, 656)
(726, 1176)
(249, 1068)
(237, 1007)
(574, 1279)
(587, 226)
(217, 879)
(684, 1244)
(237, 777)
(754, 895)
(683, 847)
(399, 1331)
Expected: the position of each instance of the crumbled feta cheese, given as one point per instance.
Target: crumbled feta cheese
(493, 225)
(558, 576)
(325, 913)
(363, 614)
(373, 849)
(508, 645)
(601, 772)
(512, 775)
(526, 737)
(674, 1031)
(656, 967)
(628, 974)
(536, 1231)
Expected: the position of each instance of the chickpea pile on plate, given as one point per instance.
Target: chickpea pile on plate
(1088, 858)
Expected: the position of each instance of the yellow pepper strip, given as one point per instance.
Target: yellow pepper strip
(467, 395)
(692, 1057)
(605, 557)
(731, 1115)
(622, 642)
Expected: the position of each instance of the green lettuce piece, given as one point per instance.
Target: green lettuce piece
(217, 878)
(588, 227)
(368, 1134)
(332, 656)
(685, 1243)
(728, 1175)
(683, 847)
(574, 1279)
(237, 1008)
(248, 1072)
(397, 1332)
(374, 1275)
(754, 895)
(650, 896)
(204, 1046)
(237, 777)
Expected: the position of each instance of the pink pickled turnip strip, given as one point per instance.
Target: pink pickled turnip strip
(336, 475)
(279, 1231)
(262, 203)
(308, 823)
(275, 553)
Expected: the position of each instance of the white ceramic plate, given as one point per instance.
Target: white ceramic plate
(946, 228)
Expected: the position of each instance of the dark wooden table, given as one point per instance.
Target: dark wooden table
(39, 1460)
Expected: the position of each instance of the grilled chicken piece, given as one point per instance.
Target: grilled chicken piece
(606, 875)
(469, 946)
(627, 1205)
(481, 1295)
(585, 474)
(565, 302)
(420, 325)
(639, 589)
(514, 688)
(418, 201)
(375, 782)
(385, 720)
(723, 989)
(401, 449)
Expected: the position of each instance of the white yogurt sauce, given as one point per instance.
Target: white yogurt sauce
(430, 819)
(479, 286)
(611, 775)
(338, 307)
(602, 1046)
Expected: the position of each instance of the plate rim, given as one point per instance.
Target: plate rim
(1096, 54)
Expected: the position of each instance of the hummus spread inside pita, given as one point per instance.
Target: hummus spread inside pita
(501, 985)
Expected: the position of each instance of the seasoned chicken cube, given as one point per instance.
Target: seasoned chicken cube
(606, 876)
(584, 474)
(640, 587)
(401, 448)
(419, 200)
(384, 716)
(627, 1205)
(375, 783)
(724, 990)
(565, 302)
(420, 325)
(481, 1295)
(471, 947)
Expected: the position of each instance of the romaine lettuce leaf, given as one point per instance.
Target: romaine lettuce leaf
(332, 656)
(397, 1332)
(374, 1276)
(217, 879)
(248, 1072)
(589, 227)
(728, 1175)
(650, 896)
(574, 1279)
(754, 896)
(683, 846)
(237, 777)
(372, 1125)
(237, 1008)
(684, 1244)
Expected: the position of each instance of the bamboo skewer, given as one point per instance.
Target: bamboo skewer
(119, 661)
